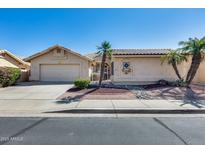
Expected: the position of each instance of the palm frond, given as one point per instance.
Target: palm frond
(109, 54)
(173, 56)
(104, 48)
(163, 59)
(193, 45)
(181, 43)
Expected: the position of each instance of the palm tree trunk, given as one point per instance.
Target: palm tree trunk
(195, 65)
(190, 69)
(102, 69)
(176, 71)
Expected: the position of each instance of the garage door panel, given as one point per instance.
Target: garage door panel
(59, 72)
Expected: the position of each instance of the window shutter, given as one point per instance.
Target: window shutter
(112, 68)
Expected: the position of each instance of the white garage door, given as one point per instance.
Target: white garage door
(59, 72)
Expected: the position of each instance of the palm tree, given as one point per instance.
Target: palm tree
(105, 51)
(196, 48)
(173, 57)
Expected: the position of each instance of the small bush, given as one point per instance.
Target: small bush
(9, 76)
(163, 82)
(179, 83)
(81, 83)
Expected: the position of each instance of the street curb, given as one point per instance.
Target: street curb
(130, 111)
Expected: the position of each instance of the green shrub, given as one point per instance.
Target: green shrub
(81, 83)
(179, 83)
(9, 76)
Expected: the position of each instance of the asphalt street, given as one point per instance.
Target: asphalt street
(103, 130)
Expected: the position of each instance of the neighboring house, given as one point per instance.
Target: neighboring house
(58, 63)
(140, 66)
(96, 66)
(7, 59)
(5, 63)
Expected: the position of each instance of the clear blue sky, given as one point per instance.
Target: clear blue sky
(27, 31)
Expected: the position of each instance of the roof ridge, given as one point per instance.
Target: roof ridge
(141, 48)
(53, 47)
(153, 51)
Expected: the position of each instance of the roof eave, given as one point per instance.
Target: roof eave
(137, 54)
(14, 57)
(28, 59)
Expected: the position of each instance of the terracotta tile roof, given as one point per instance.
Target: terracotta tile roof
(140, 51)
(94, 56)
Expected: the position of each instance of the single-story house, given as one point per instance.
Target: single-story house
(131, 66)
(58, 63)
(7, 59)
(128, 66)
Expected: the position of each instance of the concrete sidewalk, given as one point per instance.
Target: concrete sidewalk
(27, 108)
(140, 104)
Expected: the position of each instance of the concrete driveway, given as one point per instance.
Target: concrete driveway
(31, 97)
(34, 90)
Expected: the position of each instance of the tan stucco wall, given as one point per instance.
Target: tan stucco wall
(148, 69)
(6, 63)
(201, 72)
(67, 58)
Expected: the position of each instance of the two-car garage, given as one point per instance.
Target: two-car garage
(59, 64)
(50, 72)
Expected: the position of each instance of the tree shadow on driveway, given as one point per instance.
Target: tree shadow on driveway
(70, 99)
